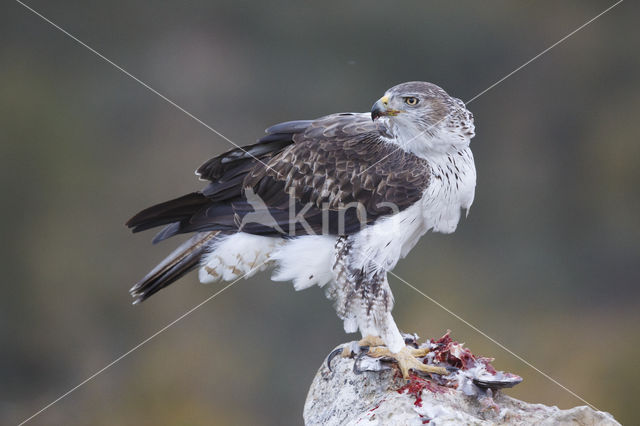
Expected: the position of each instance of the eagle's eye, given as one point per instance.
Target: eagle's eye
(411, 100)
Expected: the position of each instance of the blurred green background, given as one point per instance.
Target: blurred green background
(547, 262)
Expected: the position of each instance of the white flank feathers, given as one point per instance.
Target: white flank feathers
(233, 256)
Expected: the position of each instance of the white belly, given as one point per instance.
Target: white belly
(451, 190)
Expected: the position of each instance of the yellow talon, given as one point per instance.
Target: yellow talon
(370, 341)
(407, 360)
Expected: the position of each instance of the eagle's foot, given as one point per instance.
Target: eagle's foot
(407, 359)
(370, 341)
(364, 344)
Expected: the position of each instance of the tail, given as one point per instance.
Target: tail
(182, 260)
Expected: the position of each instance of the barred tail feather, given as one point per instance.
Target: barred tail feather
(181, 261)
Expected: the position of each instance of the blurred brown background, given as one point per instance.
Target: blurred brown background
(547, 262)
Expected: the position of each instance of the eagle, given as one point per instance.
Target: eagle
(334, 202)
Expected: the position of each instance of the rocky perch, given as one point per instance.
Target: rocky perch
(366, 391)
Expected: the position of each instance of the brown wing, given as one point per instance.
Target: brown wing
(337, 164)
(226, 173)
(338, 174)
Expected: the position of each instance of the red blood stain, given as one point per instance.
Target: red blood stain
(377, 405)
(416, 385)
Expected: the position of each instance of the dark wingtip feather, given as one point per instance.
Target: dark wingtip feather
(168, 212)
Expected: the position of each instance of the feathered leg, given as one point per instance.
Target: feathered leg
(363, 296)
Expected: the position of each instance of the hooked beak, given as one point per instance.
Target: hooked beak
(381, 108)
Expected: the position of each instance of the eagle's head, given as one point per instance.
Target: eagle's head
(423, 118)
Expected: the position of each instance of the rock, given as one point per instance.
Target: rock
(342, 397)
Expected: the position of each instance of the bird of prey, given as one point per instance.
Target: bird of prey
(333, 202)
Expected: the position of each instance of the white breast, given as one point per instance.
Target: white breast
(451, 189)
(391, 238)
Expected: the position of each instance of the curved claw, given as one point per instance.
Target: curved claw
(332, 355)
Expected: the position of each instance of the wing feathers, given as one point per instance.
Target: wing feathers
(334, 162)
